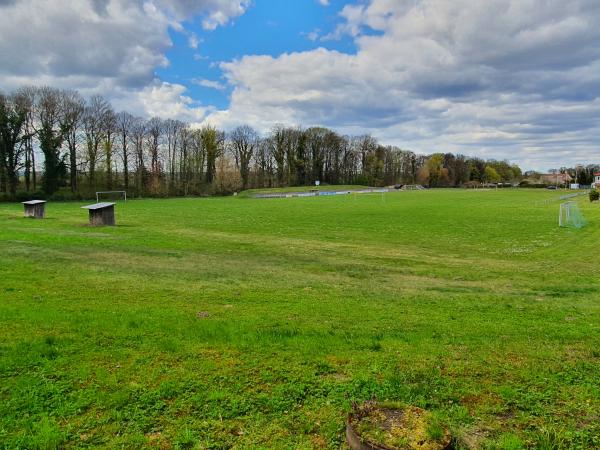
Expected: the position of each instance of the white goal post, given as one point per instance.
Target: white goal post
(570, 216)
(99, 193)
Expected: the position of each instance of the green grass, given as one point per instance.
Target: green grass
(472, 304)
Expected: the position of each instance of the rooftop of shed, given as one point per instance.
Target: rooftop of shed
(34, 202)
(98, 205)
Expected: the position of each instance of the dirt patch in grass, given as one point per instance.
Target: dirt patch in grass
(387, 426)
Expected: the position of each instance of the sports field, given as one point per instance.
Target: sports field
(250, 323)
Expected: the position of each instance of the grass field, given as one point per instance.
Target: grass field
(247, 323)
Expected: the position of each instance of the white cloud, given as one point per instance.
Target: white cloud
(161, 99)
(209, 84)
(215, 12)
(193, 41)
(313, 35)
(108, 47)
(501, 78)
(116, 39)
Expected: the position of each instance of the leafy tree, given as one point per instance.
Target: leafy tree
(435, 164)
(490, 175)
(212, 142)
(53, 128)
(13, 118)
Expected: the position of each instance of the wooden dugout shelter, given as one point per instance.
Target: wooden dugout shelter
(35, 209)
(101, 214)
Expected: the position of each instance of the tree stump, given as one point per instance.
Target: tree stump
(374, 426)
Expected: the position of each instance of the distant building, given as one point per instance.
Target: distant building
(596, 182)
(557, 178)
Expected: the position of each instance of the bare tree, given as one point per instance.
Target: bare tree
(110, 132)
(349, 161)
(185, 146)
(277, 141)
(94, 128)
(154, 127)
(197, 158)
(292, 140)
(365, 145)
(29, 94)
(172, 129)
(74, 108)
(263, 164)
(125, 122)
(316, 146)
(154, 134)
(334, 144)
(138, 134)
(244, 141)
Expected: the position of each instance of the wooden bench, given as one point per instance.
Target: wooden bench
(101, 214)
(35, 209)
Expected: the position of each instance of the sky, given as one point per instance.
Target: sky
(504, 79)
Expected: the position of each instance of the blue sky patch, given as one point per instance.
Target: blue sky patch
(269, 27)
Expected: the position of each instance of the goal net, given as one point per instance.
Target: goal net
(111, 195)
(570, 216)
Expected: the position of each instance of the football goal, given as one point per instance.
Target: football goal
(111, 195)
(570, 216)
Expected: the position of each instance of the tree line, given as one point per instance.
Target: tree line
(84, 145)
